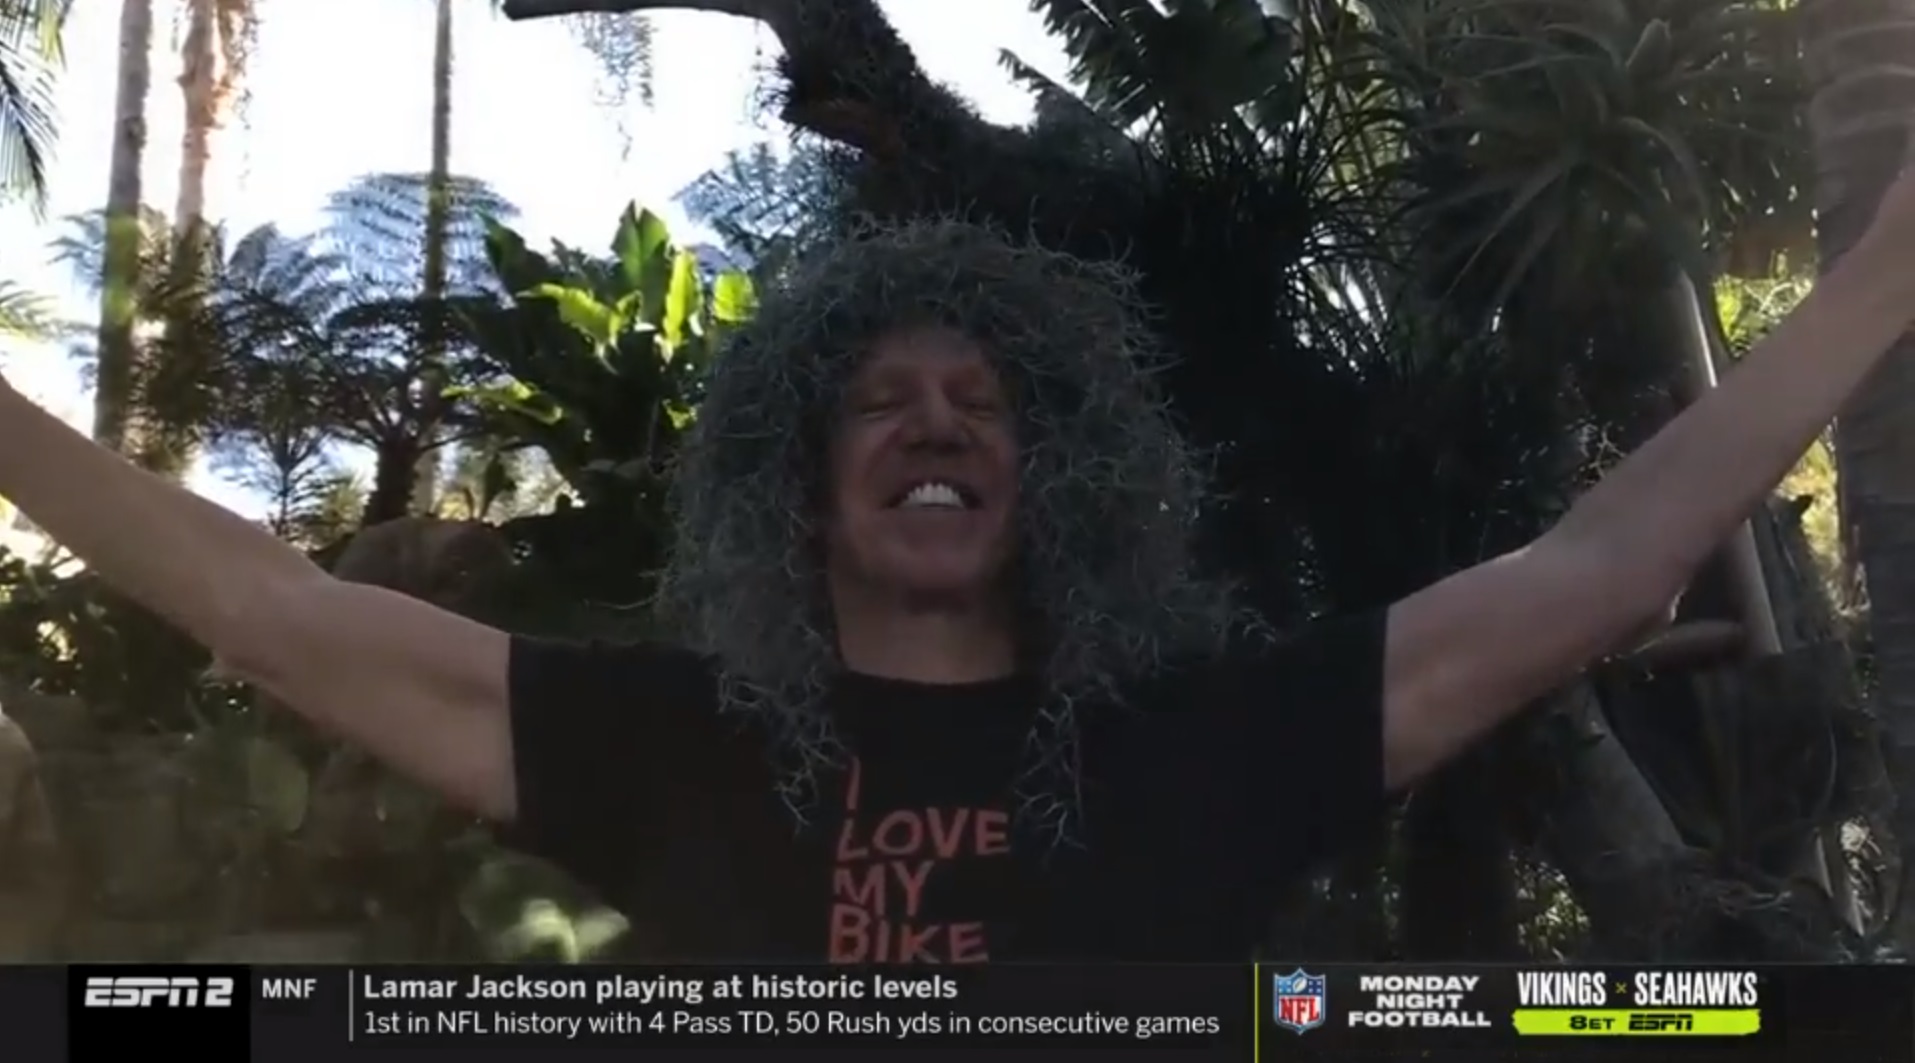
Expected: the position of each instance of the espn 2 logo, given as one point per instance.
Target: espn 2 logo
(177, 991)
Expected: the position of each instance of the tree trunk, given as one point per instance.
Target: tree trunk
(433, 284)
(1689, 312)
(1822, 861)
(199, 91)
(118, 355)
(207, 91)
(213, 60)
(396, 464)
(1606, 830)
(1859, 120)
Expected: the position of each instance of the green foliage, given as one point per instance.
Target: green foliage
(81, 246)
(305, 343)
(1183, 66)
(31, 52)
(760, 202)
(598, 361)
(523, 913)
(1748, 308)
(377, 225)
(490, 480)
(63, 632)
(1547, 136)
(25, 314)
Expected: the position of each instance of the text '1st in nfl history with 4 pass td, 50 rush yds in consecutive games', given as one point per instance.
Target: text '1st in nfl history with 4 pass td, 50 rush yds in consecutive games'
(1372, 1014)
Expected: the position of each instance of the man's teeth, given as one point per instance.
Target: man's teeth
(937, 495)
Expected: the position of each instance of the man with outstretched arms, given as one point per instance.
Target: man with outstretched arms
(944, 685)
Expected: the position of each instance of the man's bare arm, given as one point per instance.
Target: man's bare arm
(1469, 651)
(420, 688)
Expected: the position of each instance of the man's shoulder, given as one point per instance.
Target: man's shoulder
(543, 667)
(611, 651)
(1257, 652)
(1299, 707)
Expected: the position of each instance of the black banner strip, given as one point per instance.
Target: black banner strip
(964, 1013)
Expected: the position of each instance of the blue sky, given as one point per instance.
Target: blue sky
(343, 87)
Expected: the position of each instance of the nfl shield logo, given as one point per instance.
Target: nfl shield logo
(1300, 1001)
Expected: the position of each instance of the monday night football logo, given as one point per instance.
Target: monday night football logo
(1392, 1001)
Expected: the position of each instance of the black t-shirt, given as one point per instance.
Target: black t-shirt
(1217, 783)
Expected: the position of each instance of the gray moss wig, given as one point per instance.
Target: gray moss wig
(1109, 490)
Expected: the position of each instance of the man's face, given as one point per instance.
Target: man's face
(923, 469)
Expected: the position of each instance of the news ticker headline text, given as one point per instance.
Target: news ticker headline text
(1289, 1011)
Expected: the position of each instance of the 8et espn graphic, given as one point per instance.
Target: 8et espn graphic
(1548, 1003)
(1707, 1003)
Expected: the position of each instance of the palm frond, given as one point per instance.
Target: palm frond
(377, 226)
(39, 24)
(1176, 69)
(1057, 105)
(1543, 134)
(31, 54)
(758, 200)
(25, 314)
(81, 246)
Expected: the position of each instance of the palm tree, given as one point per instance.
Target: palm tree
(30, 53)
(416, 240)
(426, 478)
(266, 307)
(113, 403)
(219, 39)
(622, 44)
(375, 244)
(313, 352)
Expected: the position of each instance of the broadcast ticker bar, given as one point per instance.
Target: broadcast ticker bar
(1287, 1011)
